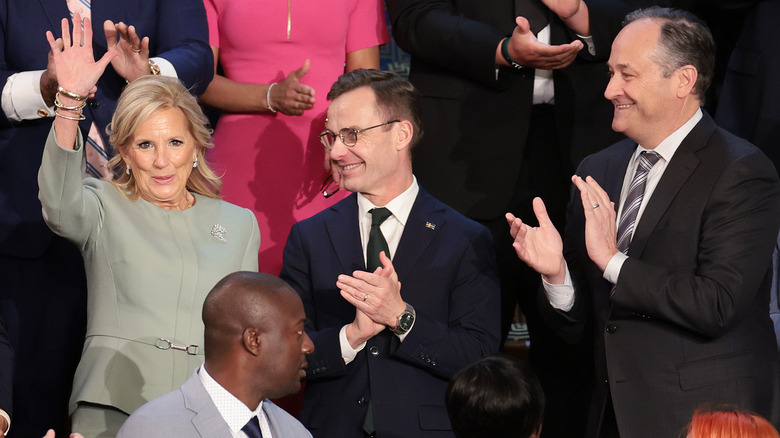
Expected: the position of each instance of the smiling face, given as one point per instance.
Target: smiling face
(648, 106)
(160, 156)
(379, 164)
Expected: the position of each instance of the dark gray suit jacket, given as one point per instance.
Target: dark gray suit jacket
(688, 322)
(189, 412)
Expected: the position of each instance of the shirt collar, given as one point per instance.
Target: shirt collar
(400, 206)
(233, 411)
(667, 148)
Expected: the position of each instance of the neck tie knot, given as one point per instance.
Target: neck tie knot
(252, 428)
(647, 160)
(379, 215)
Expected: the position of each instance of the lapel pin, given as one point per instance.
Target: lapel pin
(218, 232)
(430, 225)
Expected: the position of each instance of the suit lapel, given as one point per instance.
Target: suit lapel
(344, 234)
(55, 11)
(613, 180)
(677, 172)
(207, 420)
(426, 218)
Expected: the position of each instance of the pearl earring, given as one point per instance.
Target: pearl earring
(127, 170)
(195, 164)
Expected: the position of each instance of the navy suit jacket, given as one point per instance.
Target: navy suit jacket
(688, 322)
(6, 370)
(177, 31)
(446, 264)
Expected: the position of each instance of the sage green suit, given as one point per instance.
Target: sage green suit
(148, 272)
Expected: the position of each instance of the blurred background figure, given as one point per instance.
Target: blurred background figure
(279, 61)
(728, 422)
(498, 396)
(155, 239)
(44, 285)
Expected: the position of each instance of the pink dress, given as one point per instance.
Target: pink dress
(273, 164)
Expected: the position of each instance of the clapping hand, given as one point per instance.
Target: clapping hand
(290, 96)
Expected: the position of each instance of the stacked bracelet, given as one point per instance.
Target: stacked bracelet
(59, 104)
(71, 94)
(80, 117)
(268, 98)
(505, 54)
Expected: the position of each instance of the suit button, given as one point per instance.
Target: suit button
(94, 104)
(611, 328)
(374, 351)
(362, 401)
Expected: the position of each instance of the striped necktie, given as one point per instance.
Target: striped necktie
(636, 192)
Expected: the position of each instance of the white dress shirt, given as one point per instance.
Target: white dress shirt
(562, 296)
(235, 413)
(392, 228)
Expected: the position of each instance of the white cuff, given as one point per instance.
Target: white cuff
(588, 40)
(561, 296)
(612, 272)
(347, 352)
(22, 99)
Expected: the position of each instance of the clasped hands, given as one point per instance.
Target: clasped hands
(377, 300)
(130, 53)
(541, 247)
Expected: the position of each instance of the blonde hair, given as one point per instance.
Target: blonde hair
(140, 100)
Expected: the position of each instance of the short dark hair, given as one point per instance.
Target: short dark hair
(498, 396)
(396, 97)
(684, 40)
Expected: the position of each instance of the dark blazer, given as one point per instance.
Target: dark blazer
(6, 370)
(476, 119)
(446, 265)
(688, 322)
(177, 31)
(190, 412)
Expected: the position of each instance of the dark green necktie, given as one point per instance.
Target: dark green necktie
(376, 240)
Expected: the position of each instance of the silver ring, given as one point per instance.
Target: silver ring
(596, 206)
(365, 298)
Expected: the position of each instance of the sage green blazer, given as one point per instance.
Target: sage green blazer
(148, 272)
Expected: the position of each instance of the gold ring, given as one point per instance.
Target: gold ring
(365, 298)
(136, 50)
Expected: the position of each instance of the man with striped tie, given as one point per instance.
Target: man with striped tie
(666, 256)
(44, 286)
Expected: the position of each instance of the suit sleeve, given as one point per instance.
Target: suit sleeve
(473, 328)
(249, 262)
(738, 231)
(70, 208)
(183, 41)
(6, 370)
(326, 360)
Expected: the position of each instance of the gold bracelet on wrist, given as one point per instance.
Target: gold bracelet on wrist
(80, 117)
(154, 68)
(71, 94)
(59, 104)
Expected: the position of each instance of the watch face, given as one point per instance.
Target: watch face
(405, 321)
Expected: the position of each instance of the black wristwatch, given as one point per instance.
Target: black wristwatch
(405, 321)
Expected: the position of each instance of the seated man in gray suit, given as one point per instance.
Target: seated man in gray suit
(255, 347)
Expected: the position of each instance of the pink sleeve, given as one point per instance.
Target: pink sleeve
(213, 18)
(367, 25)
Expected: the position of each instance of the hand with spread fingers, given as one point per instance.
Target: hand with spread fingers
(600, 221)
(290, 96)
(132, 61)
(526, 49)
(376, 294)
(540, 247)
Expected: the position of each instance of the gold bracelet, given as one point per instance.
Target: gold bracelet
(71, 94)
(59, 104)
(154, 68)
(80, 117)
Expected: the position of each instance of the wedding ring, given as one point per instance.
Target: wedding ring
(365, 298)
(136, 50)
(596, 206)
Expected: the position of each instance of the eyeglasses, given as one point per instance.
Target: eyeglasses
(329, 187)
(348, 136)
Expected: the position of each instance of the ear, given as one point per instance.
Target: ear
(686, 80)
(404, 136)
(251, 341)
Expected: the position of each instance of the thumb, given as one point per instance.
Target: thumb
(107, 57)
(301, 72)
(523, 25)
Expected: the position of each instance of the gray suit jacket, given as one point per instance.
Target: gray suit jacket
(189, 412)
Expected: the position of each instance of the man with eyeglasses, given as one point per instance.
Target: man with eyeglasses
(384, 352)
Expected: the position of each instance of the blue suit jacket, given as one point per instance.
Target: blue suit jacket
(177, 31)
(688, 322)
(190, 412)
(446, 264)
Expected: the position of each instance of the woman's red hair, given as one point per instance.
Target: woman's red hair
(729, 423)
